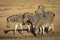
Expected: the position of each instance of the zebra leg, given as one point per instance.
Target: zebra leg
(51, 28)
(8, 25)
(28, 27)
(32, 30)
(21, 28)
(40, 30)
(37, 30)
(16, 25)
(43, 30)
(7, 22)
(46, 27)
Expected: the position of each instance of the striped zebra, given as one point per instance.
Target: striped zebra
(46, 24)
(44, 19)
(18, 20)
(40, 23)
(33, 18)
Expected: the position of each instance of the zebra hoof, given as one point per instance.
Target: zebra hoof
(28, 30)
(20, 32)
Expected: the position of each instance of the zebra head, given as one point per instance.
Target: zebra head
(27, 16)
(50, 13)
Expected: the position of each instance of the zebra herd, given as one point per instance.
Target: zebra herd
(36, 23)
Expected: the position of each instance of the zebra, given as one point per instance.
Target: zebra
(17, 19)
(33, 18)
(44, 18)
(28, 16)
(20, 20)
(47, 22)
(40, 23)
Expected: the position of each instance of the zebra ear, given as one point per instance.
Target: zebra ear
(53, 14)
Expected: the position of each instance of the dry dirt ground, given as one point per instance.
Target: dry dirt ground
(14, 7)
